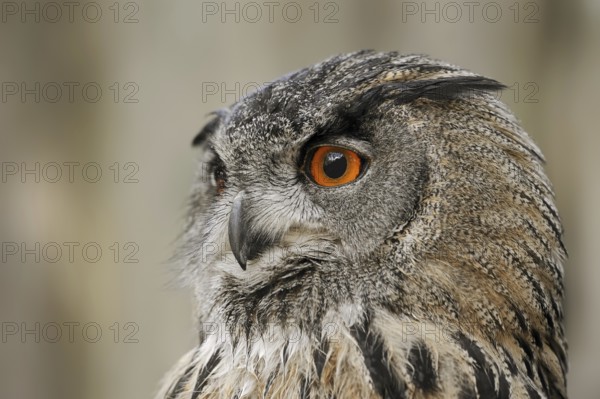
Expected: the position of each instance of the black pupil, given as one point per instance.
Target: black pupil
(335, 165)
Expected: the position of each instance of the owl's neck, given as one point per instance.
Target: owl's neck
(354, 352)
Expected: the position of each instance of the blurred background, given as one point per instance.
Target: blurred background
(100, 101)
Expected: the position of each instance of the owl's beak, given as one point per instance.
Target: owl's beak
(246, 242)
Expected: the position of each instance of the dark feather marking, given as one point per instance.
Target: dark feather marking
(320, 355)
(520, 318)
(549, 321)
(543, 379)
(425, 376)
(538, 291)
(180, 385)
(555, 308)
(537, 338)
(536, 259)
(550, 221)
(555, 215)
(285, 356)
(385, 382)
(484, 375)
(205, 373)
(512, 367)
(533, 394)
(550, 382)
(304, 388)
(556, 230)
(528, 368)
(504, 388)
(559, 352)
(525, 347)
(534, 232)
(550, 208)
(270, 382)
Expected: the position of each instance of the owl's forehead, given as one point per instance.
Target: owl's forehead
(263, 132)
(292, 108)
(280, 115)
(310, 94)
(289, 108)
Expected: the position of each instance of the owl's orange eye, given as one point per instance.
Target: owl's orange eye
(332, 166)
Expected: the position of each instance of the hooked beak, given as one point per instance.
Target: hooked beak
(246, 243)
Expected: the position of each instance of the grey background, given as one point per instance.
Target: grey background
(170, 60)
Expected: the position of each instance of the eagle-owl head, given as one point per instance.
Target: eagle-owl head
(373, 190)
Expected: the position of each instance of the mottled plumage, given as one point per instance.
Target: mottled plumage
(435, 274)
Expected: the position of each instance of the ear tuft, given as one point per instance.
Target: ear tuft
(440, 89)
(209, 128)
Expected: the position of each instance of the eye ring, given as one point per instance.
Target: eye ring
(333, 166)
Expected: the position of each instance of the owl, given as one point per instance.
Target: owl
(374, 226)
